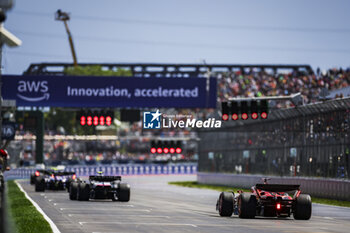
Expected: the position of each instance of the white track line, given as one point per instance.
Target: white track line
(140, 223)
(52, 224)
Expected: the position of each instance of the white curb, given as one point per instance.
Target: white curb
(52, 224)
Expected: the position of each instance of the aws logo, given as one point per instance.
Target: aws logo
(33, 91)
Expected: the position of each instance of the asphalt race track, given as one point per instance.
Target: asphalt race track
(158, 207)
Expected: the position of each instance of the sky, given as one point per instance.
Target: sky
(315, 32)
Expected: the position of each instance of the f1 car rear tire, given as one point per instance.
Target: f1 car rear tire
(39, 184)
(302, 207)
(73, 189)
(68, 182)
(225, 207)
(83, 192)
(124, 192)
(246, 205)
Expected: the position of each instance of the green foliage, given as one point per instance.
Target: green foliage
(330, 202)
(194, 184)
(25, 216)
(95, 71)
(58, 117)
(84, 130)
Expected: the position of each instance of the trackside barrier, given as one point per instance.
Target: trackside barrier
(153, 169)
(318, 187)
(2, 203)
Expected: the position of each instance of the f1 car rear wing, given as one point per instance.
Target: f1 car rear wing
(44, 171)
(105, 178)
(63, 173)
(278, 187)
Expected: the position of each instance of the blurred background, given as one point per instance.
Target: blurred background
(314, 33)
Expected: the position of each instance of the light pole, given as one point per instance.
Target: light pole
(64, 17)
(9, 39)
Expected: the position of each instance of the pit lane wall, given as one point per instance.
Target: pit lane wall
(152, 169)
(318, 187)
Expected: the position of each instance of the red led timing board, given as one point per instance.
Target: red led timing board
(88, 118)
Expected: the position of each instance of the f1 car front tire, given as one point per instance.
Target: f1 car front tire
(83, 192)
(225, 204)
(73, 188)
(123, 192)
(246, 205)
(302, 207)
(39, 184)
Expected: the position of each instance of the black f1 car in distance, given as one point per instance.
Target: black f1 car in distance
(53, 180)
(268, 200)
(38, 172)
(100, 187)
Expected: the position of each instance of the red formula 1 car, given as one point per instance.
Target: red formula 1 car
(268, 200)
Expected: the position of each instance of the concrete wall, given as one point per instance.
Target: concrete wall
(326, 188)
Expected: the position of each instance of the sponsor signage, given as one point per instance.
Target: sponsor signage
(154, 120)
(8, 130)
(88, 91)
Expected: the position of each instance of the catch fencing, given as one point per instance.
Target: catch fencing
(311, 140)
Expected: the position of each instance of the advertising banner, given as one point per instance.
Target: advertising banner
(119, 92)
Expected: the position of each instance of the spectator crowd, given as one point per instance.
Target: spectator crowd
(260, 83)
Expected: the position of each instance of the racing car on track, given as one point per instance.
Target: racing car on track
(100, 187)
(268, 200)
(53, 180)
(37, 173)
